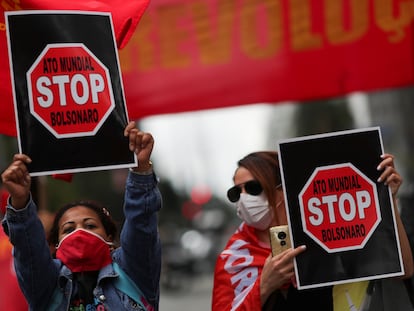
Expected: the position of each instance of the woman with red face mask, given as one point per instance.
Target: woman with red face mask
(87, 271)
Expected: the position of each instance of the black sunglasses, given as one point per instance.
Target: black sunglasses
(252, 187)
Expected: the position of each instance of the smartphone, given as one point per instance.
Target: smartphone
(279, 239)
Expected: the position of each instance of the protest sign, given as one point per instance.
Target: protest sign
(337, 208)
(68, 92)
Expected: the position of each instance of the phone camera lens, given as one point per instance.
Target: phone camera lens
(281, 235)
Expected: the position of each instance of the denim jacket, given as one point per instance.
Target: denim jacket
(43, 278)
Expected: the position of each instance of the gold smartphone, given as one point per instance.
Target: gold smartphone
(279, 239)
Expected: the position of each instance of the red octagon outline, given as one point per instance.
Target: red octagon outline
(30, 92)
(302, 211)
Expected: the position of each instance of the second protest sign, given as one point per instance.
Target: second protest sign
(338, 209)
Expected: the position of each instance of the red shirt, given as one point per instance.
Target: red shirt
(237, 272)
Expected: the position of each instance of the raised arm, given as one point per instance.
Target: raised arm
(393, 179)
(32, 259)
(140, 252)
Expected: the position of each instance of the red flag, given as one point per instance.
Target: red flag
(191, 55)
(125, 17)
(125, 14)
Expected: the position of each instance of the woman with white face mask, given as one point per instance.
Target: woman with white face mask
(246, 275)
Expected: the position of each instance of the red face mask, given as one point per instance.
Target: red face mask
(82, 250)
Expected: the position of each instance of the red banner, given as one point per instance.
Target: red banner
(125, 17)
(191, 55)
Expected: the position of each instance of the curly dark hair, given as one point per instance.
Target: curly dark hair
(103, 214)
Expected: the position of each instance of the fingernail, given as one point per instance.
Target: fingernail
(379, 179)
(378, 167)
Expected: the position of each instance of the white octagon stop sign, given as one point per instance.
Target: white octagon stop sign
(339, 207)
(70, 90)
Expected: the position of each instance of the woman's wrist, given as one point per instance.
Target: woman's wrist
(19, 202)
(143, 168)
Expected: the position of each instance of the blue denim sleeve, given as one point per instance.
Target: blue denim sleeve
(140, 252)
(34, 265)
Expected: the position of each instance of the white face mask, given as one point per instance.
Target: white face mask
(254, 210)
